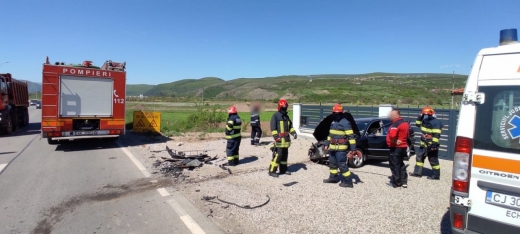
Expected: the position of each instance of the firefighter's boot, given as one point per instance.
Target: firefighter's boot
(346, 182)
(236, 161)
(253, 142)
(332, 179)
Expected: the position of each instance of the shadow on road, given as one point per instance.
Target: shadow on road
(138, 139)
(248, 160)
(446, 223)
(296, 167)
(84, 145)
(30, 129)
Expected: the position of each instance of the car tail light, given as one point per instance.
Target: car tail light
(458, 220)
(53, 134)
(114, 132)
(461, 164)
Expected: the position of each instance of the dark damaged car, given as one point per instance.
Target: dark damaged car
(371, 140)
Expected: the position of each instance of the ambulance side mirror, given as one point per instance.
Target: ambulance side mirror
(476, 98)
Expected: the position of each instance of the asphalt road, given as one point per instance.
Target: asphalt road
(73, 188)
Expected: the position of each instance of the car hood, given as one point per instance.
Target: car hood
(322, 130)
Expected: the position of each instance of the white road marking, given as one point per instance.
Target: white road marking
(136, 162)
(163, 192)
(186, 218)
(2, 166)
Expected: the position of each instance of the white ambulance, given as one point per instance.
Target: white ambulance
(485, 193)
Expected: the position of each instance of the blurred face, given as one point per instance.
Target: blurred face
(393, 115)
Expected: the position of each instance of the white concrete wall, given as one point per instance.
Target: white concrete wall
(384, 109)
(297, 113)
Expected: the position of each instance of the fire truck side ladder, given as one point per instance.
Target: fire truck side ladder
(50, 91)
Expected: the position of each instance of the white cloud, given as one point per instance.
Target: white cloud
(449, 66)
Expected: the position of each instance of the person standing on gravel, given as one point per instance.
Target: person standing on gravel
(256, 130)
(340, 140)
(233, 136)
(431, 130)
(281, 127)
(396, 141)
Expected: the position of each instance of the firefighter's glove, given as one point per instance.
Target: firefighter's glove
(294, 135)
(421, 117)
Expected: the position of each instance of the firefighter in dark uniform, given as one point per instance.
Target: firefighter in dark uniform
(233, 136)
(256, 130)
(431, 129)
(281, 127)
(341, 140)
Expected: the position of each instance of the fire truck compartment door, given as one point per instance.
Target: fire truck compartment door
(86, 96)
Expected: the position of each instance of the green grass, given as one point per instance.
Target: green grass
(175, 122)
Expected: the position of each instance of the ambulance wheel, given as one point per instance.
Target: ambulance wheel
(358, 162)
(52, 142)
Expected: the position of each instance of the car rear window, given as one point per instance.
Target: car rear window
(497, 123)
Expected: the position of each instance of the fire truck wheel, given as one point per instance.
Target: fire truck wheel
(14, 121)
(51, 141)
(26, 118)
(7, 130)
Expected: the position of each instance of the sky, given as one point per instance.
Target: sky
(167, 40)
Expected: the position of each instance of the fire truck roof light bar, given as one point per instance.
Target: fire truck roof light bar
(108, 65)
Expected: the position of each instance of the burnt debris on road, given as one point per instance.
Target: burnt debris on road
(180, 160)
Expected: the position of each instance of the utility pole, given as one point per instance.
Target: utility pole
(452, 88)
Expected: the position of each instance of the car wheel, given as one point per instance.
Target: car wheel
(358, 162)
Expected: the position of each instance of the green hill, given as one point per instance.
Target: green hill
(372, 88)
(138, 89)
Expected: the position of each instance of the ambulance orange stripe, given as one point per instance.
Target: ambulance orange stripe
(496, 164)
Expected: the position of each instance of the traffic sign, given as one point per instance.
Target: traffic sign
(147, 121)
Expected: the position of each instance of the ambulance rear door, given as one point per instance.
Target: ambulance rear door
(494, 188)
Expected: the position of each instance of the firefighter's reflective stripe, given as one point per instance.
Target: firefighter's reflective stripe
(237, 127)
(230, 158)
(233, 136)
(333, 171)
(352, 141)
(340, 132)
(283, 163)
(346, 174)
(274, 165)
(274, 132)
(418, 122)
(436, 130)
(435, 139)
(283, 142)
(423, 143)
(229, 123)
(291, 130)
(419, 164)
(335, 147)
(436, 167)
(426, 130)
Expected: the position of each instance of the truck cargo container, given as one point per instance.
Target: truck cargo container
(14, 104)
(83, 101)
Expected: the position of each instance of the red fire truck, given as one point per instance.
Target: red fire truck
(14, 104)
(83, 101)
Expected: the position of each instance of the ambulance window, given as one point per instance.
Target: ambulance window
(497, 125)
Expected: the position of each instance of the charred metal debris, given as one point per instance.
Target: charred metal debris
(210, 199)
(180, 160)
